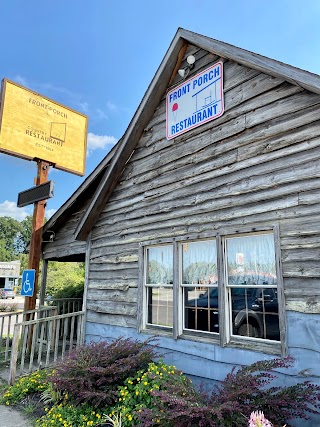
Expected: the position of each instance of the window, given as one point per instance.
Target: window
(159, 285)
(200, 286)
(227, 288)
(252, 286)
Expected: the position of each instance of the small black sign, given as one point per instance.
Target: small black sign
(35, 194)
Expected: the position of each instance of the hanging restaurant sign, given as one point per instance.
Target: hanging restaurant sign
(195, 101)
(35, 127)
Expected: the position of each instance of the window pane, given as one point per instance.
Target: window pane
(160, 306)
(255, 312)
(201, 309)
(251, 260)
(254, 308)
(160, 265)
(199, 262)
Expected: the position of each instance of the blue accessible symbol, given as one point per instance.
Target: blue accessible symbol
(27, 285)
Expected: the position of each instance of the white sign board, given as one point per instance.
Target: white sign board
(195, 101)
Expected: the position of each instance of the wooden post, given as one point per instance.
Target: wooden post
(43, 282)
(36, 238)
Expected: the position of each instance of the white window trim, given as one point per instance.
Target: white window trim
(224, 338)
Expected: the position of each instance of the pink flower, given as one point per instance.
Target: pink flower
(257, 419)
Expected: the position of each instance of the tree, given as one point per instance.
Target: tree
(24, 236)
(9, 230)
(65, 279)
(14, 237)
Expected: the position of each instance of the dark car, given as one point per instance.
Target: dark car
(254, 310)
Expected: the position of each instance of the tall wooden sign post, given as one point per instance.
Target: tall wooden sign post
(36, 237)
(34, 127)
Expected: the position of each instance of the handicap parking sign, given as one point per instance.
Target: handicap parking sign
(27, 285)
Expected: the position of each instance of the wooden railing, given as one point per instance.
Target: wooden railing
(7, 322)
(41, 342)
(64, 305)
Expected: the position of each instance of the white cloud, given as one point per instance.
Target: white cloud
(49, 213)
(84, 106)
(111, 106)
(96, 142)
(101, 115)
(21, 80)
(10, 209)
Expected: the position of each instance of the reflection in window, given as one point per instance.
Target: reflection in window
(160, 304)
(252, 285)
(201, 309)
(199, 267)
(199, 262)
(160, 265)
(159, 282)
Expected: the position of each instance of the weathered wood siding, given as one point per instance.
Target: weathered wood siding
(64, 244)
(257, 165)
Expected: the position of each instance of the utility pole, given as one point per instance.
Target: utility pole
(36, 237)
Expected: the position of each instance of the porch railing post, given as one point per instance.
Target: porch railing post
(14, 353)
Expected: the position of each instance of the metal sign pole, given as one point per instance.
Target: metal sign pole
(36, 238)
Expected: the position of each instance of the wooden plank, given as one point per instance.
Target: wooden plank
(112, 319)
(71, 335)
(57, 334)
(116, 296)
(307, 254)
(14, 353)
(49, 342)
(302, 240)
(111, 284)
(282, 107)
(311, 306)
(111, 307)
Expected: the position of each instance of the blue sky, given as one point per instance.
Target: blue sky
(98, 57)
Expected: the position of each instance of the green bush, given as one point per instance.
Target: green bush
(70, 416)
(231, 402)
(74, 290)
(26, 385)
(65, 279)
(137, 392)
(93, 372)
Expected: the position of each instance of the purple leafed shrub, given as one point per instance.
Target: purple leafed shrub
(231, 402)
(93, 372)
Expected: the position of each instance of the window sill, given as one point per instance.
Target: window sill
(273, 348)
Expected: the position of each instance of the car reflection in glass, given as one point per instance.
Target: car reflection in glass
(254, 309)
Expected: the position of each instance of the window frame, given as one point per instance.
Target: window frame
(224, 338)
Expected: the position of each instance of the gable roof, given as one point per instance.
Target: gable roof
(156, 90)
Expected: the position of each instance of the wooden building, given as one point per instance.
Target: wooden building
(202, 230)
